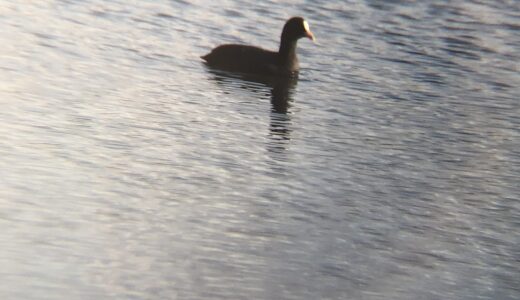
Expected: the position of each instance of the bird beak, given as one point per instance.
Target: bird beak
(310, 36)
(308, 32)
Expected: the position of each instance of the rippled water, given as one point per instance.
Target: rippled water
(389, 170)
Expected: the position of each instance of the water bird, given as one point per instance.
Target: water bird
(256, 60)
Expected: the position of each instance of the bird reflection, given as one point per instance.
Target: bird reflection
(280, 118)
(281, 90)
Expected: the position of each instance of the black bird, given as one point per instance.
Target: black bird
(255, 60)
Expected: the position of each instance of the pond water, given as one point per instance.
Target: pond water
(389, 170)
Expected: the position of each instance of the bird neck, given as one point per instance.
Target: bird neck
(287, 53)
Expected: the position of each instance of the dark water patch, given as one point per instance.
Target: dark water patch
(397, 43)
(468, 43)
(388, 5)
(458, 28)
(181, 4)
(75, 21)
(400, 61)
(395, 33)
(429, 77)
(164, 16)
(467, 25)
(462, 53)
(45, 36)
(511, 26)
(445, 9)
(500, 86)
(420, 53)
(461, 41)
(407, 17)
(335, 271)
(233, 13)
(394, 96)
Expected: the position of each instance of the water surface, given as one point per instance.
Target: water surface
(388, 170)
